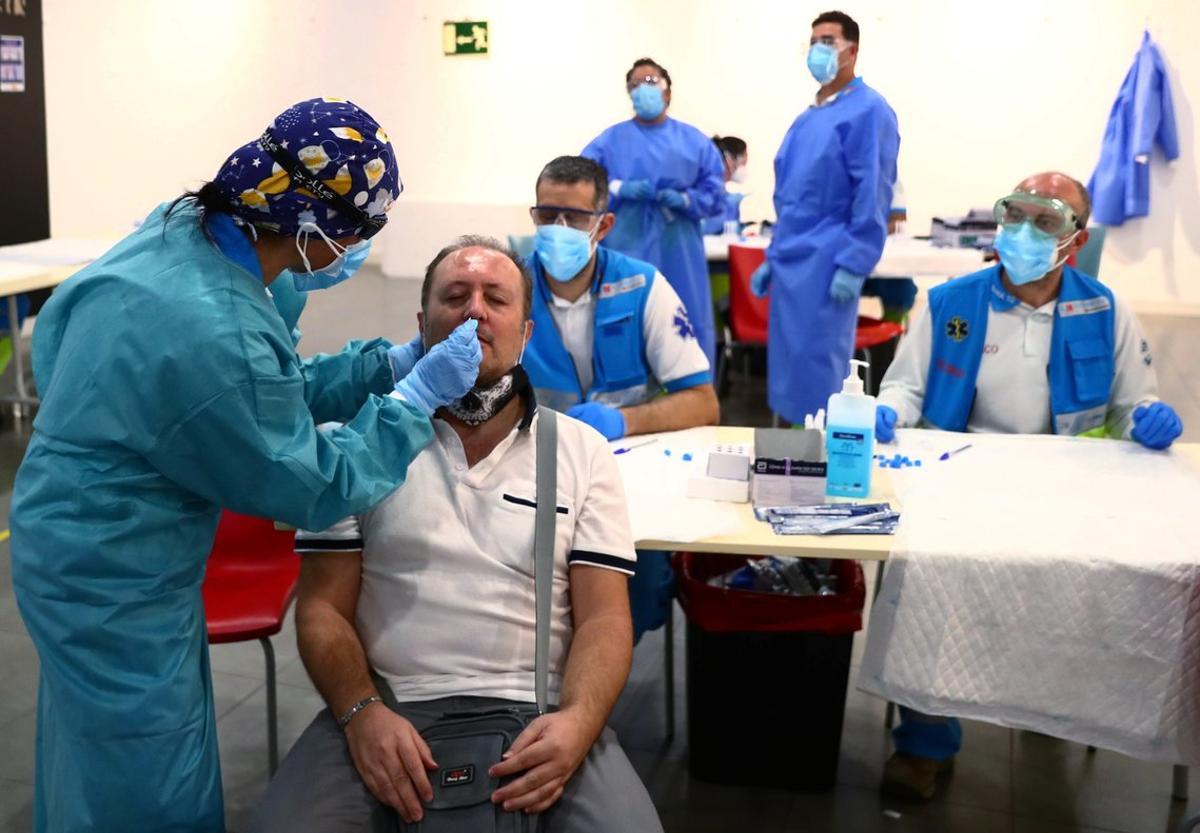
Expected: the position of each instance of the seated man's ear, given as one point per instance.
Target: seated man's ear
(606, 224)
(528, 331)
(1079, 242)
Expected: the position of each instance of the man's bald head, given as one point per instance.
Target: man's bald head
(1060, 186)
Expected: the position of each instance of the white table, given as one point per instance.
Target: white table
(26, 267)
(746, 535)
(750, 536)
(903, 256)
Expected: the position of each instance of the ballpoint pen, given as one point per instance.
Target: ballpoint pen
(946, 455)
(628, 448)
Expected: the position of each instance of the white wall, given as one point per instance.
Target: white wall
(146, 96)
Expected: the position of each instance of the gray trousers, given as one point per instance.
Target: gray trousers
(317, 787)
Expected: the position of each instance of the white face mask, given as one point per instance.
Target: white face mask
(738, 175)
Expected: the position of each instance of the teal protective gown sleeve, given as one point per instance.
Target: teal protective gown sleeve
(170, 389)
(337, 385)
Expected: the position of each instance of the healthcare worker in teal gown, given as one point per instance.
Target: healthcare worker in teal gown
(171, 388)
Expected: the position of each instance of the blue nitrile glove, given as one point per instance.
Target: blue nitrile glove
(760, 280)
(672, 198)
(636, 189)
(1156, 426)
(885, 423)
(607, 420)
(845, 286)
(446, 372)
(402, 357)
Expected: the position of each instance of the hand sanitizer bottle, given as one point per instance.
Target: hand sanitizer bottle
(850, 439)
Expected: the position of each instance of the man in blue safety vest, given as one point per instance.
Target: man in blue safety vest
(1029, 346)
(612, 343)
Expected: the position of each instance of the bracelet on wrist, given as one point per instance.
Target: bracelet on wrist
(348, 715)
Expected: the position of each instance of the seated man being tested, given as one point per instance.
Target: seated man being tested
(424, 605)
(613, 345)
(1029, 346)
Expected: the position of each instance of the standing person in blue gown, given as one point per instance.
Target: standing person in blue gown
(665, 177)
(833, 187)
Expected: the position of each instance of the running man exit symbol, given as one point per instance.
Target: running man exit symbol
(465, 38)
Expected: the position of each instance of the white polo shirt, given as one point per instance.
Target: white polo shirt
(672, 352)
(1012, 391)
(446, 605)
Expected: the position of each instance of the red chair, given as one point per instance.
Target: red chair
(250, 582)
(871, 335)
(747, 328)
(748, 316)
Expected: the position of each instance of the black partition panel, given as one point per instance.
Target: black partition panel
(24, 190)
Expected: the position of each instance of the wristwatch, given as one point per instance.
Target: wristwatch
(356, 708)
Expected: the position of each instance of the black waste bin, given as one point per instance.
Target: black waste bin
(766, 676)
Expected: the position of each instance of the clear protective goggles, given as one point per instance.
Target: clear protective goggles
(829, 40)
(649, 78)
(576, 218)
(1048, 215)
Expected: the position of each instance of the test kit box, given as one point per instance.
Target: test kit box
(789, 467)
(726, 475)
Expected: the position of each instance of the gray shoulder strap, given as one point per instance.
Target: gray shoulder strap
(545, 517)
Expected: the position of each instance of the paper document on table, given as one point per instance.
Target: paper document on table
(656, 477)
(56, 252)
(1046, 583)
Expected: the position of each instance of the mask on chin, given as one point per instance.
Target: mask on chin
(482, 403)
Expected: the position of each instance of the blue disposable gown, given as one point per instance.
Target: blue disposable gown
(170, 388)
(1142, 115)
(732, 213)
(669, 155)
(833, 185)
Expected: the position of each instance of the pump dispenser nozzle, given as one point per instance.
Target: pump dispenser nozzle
(852, 383)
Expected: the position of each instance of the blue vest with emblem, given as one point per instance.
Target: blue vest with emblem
(1081, 349)
(619, 363)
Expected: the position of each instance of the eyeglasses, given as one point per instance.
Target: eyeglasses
(652, 80)
(576, 218)
(368, 226)
(1049, 215)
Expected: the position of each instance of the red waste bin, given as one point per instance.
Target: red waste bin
(766, 676)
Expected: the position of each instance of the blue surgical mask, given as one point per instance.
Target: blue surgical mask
(1028, 254)
(823, 62)
(647, 102)
(562, 250)
(348, 261)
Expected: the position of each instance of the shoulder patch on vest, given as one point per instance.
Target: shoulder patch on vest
(622, 286)
(1083, 306)
(957, 328)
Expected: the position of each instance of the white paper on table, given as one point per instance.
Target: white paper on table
(56, 251)
(905, 256)
(656, 487)
(1045, 583)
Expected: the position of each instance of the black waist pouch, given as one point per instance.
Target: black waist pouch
(466, 745)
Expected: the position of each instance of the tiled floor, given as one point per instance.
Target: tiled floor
(1014, 782)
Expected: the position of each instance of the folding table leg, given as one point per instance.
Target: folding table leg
(272, 715)
(669, 662)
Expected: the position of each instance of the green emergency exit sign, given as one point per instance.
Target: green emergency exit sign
(469, 37)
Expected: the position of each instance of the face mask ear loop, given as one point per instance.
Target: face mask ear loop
(300, 249)
(332, 244)
(1064, 244)
(240, 223)
(525, 344)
